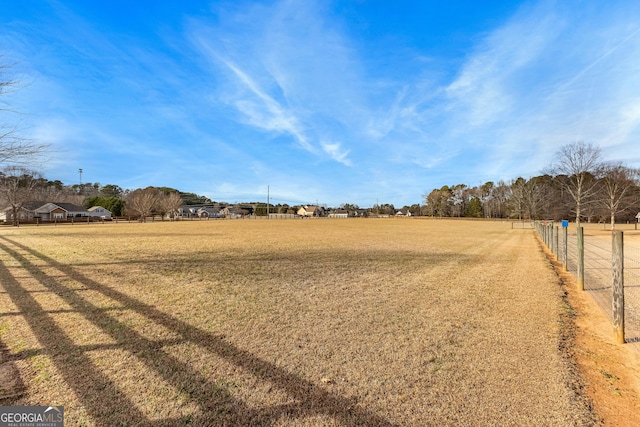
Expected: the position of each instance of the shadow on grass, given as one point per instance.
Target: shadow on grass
(11, 385)
(103, 399)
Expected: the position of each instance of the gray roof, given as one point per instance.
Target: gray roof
(70, 207)
(32, 205)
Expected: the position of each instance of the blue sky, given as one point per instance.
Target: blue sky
(322, 101)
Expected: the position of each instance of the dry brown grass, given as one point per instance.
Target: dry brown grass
(287, 322)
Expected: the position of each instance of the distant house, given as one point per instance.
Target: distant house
(359, 213)
(403, 212)
(26, 213)
(208, 212)
(43, 211)
(100, 212)
(186, 212)
(338, 213)
(54, 211)
(236, 211)
(311, 211)
(638, 217)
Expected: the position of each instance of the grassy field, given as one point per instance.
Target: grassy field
(376, 322)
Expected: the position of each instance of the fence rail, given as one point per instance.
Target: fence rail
(599, 263)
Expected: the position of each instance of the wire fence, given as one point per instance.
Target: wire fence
(598, 268)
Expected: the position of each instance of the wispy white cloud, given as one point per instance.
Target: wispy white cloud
(265, 112)
(336, 152)
(490, 84)
(293, 74)
(552, 74)
(256, 91)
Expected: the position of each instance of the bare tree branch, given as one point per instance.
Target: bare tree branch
(168, 203)
(14, 149)
(142, 201)
(617, 184)
(581, 163)
(17, 185)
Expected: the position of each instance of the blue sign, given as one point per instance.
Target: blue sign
(565, 223)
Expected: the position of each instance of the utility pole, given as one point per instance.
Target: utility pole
(80, 172)
(267, 202)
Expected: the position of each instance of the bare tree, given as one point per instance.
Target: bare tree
(501, 194)
(485, 194)
(168, 203)
(142, 201)
(458, 200)
(439, 202)
(517, 199)
(14, 149)
(532, 192)
(581, 163)
(17, 186)
(617, 184)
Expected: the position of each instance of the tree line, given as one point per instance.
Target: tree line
(577, 185)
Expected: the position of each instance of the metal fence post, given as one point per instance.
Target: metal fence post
(546, 235)
(566, 247)
(617, 301)
(580, 259)
(556, 247)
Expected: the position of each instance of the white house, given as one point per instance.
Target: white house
(100, 212)
(338, 213)
(403, 212)
(311, 211)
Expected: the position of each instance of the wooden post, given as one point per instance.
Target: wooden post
(566, 247)
(556, 247)
(580, 259)
(617, 302)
